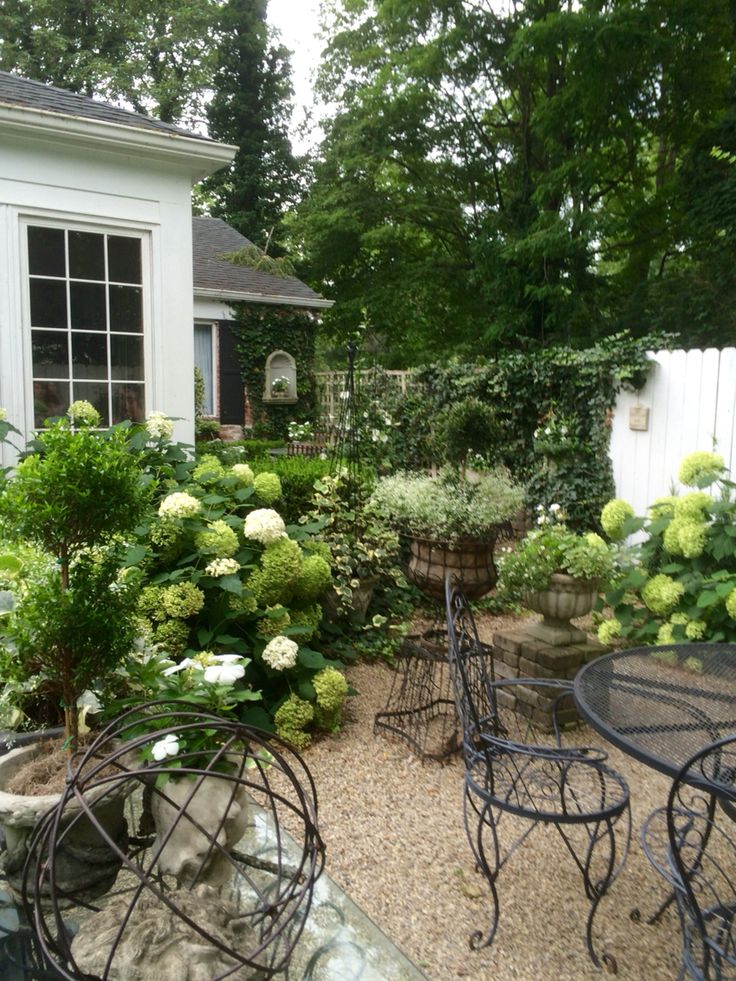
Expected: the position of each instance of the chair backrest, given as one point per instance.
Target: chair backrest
(701, 827)
(470, 664)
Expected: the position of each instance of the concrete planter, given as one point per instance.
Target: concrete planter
(564, 599)
(86, 867)
(471, 560)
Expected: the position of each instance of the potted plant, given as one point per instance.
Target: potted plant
(558, 573)
(280, 387)
(73, 496)
(452, 524)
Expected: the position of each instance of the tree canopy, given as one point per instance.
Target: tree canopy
(523, 173)
(250, 108)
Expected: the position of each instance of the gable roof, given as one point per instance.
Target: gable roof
(216, 277)
(24, 92)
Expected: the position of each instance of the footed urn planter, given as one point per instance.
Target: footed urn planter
(565, 599)
(471, 560)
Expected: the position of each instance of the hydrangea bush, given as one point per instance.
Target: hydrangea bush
(223, 574)
(679, 583)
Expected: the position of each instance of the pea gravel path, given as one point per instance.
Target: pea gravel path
(396, 843)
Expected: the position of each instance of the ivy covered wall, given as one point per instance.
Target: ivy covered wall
(259, 331)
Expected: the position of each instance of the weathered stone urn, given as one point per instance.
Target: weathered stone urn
(85, 864)
(471, 560)
(564, 599)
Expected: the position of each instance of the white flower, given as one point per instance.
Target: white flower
(181, 666)
(3, 414)
(159, 426)
(179, 505)
(168, 746)
(264, 525)
(541, 520)
(83, 413)
(281, 653)
(555, 507)
(226, 671)
(344, 395)
(222, 567)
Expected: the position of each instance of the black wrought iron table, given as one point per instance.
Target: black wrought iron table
(661, 704)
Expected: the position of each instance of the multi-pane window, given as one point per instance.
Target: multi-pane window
(86, 302)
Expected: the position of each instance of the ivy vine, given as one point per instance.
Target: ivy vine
(261, 330)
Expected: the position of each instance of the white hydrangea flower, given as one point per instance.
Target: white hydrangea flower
(222, 567)
(3, 414)
(264, 525)
(159, 425)
(83, 413)
(281, 653)
(226, 671)
(179, 505)
(168, 746)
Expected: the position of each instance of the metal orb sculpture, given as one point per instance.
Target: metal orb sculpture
(222, 853)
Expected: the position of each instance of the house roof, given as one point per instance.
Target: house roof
(24, 92)
(218, 278)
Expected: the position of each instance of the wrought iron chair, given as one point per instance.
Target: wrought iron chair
(691, 842)
(513, 768)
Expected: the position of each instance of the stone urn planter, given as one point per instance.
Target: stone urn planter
(471, 560)
(86, 866)
(564, 599)
(362, 596)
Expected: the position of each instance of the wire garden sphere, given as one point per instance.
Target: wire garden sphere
(217, 876)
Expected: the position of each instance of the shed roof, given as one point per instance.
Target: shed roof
(212, 237)
(29, 94)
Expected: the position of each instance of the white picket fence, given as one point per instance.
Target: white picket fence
(691, 397)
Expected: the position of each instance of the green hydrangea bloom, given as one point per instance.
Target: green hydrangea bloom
(731, 604)
(665, 635)
(663, 507)
(208, 470)
(274, 625)
(700, 468)
(150, 602)
(693, 664)
(693, 505)
(679, 619)
(182, 600)
(217, 539)
(686, 537)
(310, 617)
(609, 630)
(167, 536)
(267, 487)
(291, 719)
(281, 565)
(243, 605)
(319, 548)
(172, 636)
(668, 657)
(661, 594)
(244, 473)
(613, 516)
(331, 688)
(695, 629)
(313, 580)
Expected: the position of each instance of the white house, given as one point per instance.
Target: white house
(96, 286)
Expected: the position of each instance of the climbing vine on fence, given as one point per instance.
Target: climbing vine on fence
(261, 330)
(531, 392)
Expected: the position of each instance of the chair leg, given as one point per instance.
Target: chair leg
(488, 862)
(601, 844)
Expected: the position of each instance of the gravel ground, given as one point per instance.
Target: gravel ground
(396, 844)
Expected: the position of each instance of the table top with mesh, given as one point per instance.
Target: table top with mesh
(661, 704)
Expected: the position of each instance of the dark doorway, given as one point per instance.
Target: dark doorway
(232, 410)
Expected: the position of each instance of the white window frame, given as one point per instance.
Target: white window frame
(214, 327)
(98, 226)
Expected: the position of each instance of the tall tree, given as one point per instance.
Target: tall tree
(155, 56)
(498, 174)
(250, 108)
